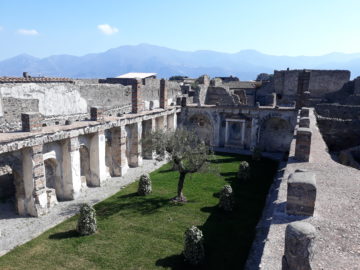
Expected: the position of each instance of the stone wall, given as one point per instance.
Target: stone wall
(339, 125)
(59, 102)
(321, 82)
(338, 111)
(327, 81)
(339, 134)
(53, 98)
(221, 96)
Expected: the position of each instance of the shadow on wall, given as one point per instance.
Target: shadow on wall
(275, 135)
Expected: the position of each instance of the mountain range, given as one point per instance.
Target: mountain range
(167, 62)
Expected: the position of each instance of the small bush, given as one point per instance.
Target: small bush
(194, 251)
(244, 171)
(144, 185)
(87, 220)
(226, 199)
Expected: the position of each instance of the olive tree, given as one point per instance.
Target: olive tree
(184, 149)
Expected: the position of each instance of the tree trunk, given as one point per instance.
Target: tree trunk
(180, 196)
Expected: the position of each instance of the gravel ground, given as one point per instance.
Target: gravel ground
(336, 217)
(17, 230)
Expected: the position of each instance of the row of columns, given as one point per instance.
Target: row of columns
(124, 150)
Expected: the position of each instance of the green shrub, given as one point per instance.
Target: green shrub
(144, 187)
(194, 251)
(226, 199)
(87, 220)
(244, 171)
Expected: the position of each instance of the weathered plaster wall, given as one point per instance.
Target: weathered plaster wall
(54, 98)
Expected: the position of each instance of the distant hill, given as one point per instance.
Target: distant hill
(167, 62)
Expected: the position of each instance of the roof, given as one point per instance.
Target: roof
(33, 80)
(133, 75)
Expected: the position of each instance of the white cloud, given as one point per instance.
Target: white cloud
(28, 32)
(107, 29)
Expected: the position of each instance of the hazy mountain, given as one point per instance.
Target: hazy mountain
(167, 62)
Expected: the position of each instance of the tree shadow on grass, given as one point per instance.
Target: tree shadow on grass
(132, 203)
(64, 235)
(224, 160)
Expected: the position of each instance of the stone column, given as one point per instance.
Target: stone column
(303, 144)
(119, 164)
(163, 94)
(299, 246)
(171, 121)
(71, 171)
(123, 158)
(135, 159)
(36, 197)
(274, 103)
(253, 133)
(301, 193)
(160, 123)
(183, 101)
(148, 128)
(136, 97)
(97, 159)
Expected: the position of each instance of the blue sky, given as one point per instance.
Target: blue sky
(281, 27)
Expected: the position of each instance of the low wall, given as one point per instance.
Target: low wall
(338, 189)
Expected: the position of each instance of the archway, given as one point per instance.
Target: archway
(12, 190)
(85, 166)
(275, 135)
(53, 176)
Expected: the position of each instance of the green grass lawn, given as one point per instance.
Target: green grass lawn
(147, 232)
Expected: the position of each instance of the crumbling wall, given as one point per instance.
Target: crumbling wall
(105, 95)
(221, 96)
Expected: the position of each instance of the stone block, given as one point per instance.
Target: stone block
(96, 113)
(39, 183)
(51, 197)
(304, 112)
(303, 144)
(31, 121)
(299, 246)
(304, 122)
(301, 193)
(41, 202)
(38, 171)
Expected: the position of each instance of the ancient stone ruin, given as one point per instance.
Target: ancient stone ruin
(61, 136)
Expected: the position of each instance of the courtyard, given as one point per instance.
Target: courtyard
(147, 232)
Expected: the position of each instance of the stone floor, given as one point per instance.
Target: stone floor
(336, 218)
(17, 230)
